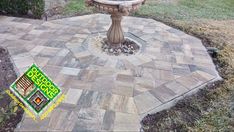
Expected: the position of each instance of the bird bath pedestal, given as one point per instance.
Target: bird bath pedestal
(117, 9)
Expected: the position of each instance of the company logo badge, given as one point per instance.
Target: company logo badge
(35, 90)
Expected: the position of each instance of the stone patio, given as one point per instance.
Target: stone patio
(109, 93)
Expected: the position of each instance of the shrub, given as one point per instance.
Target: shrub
(36, 7)
(31, 8)
(14, 7)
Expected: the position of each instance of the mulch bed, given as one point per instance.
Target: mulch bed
(7, 76)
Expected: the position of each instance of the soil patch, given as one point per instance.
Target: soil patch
(7, 76)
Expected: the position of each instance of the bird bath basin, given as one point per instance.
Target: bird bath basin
(117, 9)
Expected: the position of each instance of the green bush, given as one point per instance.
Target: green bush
(31, 8)
(37, 7)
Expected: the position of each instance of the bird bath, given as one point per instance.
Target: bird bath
(117, 9)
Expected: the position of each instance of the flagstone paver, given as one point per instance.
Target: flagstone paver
(73, 96)
(109, 93)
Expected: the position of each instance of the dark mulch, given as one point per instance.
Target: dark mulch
(7, 76)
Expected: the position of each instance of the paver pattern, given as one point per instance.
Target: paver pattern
(109, 93)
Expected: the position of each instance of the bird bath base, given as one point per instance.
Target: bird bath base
(115, 35)
(117, 9)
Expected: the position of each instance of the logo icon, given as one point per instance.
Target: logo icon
(35, 90)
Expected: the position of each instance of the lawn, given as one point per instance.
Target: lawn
(189, 9)
(76, 7)
(179, 9)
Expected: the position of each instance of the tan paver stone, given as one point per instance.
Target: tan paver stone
(149, 65)
(145, 102)
(203, 59)
(20, 25)
(181, 70)
(51, 71)
(88, 75)
(166, 75)
(49, 51)
(58, 117)
(63, 52)
(36, 32)
(61, 79)
(64, 37)
(94, 99)
(82, 55)
(103, 84)
(126, 122)
(70, 71)
(38, 41)
(29, 46)
(5, 19)
(120, 103)
(82, 36)
(52, 25)
(145, 82)
(128, 64)
(15, 43)
(148, 30)
(28, 37)
(48, 35)
(73, 82)
(176, 87)
(143, 58)
(163, 93)
(23, 61)
(56, 60)
(89, 120)
(124, 78)
(125, 72)
(123, 88)
(75, 40)
(111, 63)
(30, 125)
(73, 96)
(206, 75)
(36, 50)
(181, 59)
(160, 82)
(16, 50)
(189, 82)
(41, 61)
(136, 61)
(162, 65)
(69, 125)
(153, 50)
(138, 90)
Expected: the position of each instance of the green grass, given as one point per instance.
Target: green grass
(217, 120)
(76, 7)
(190, 9)
(181, 10)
